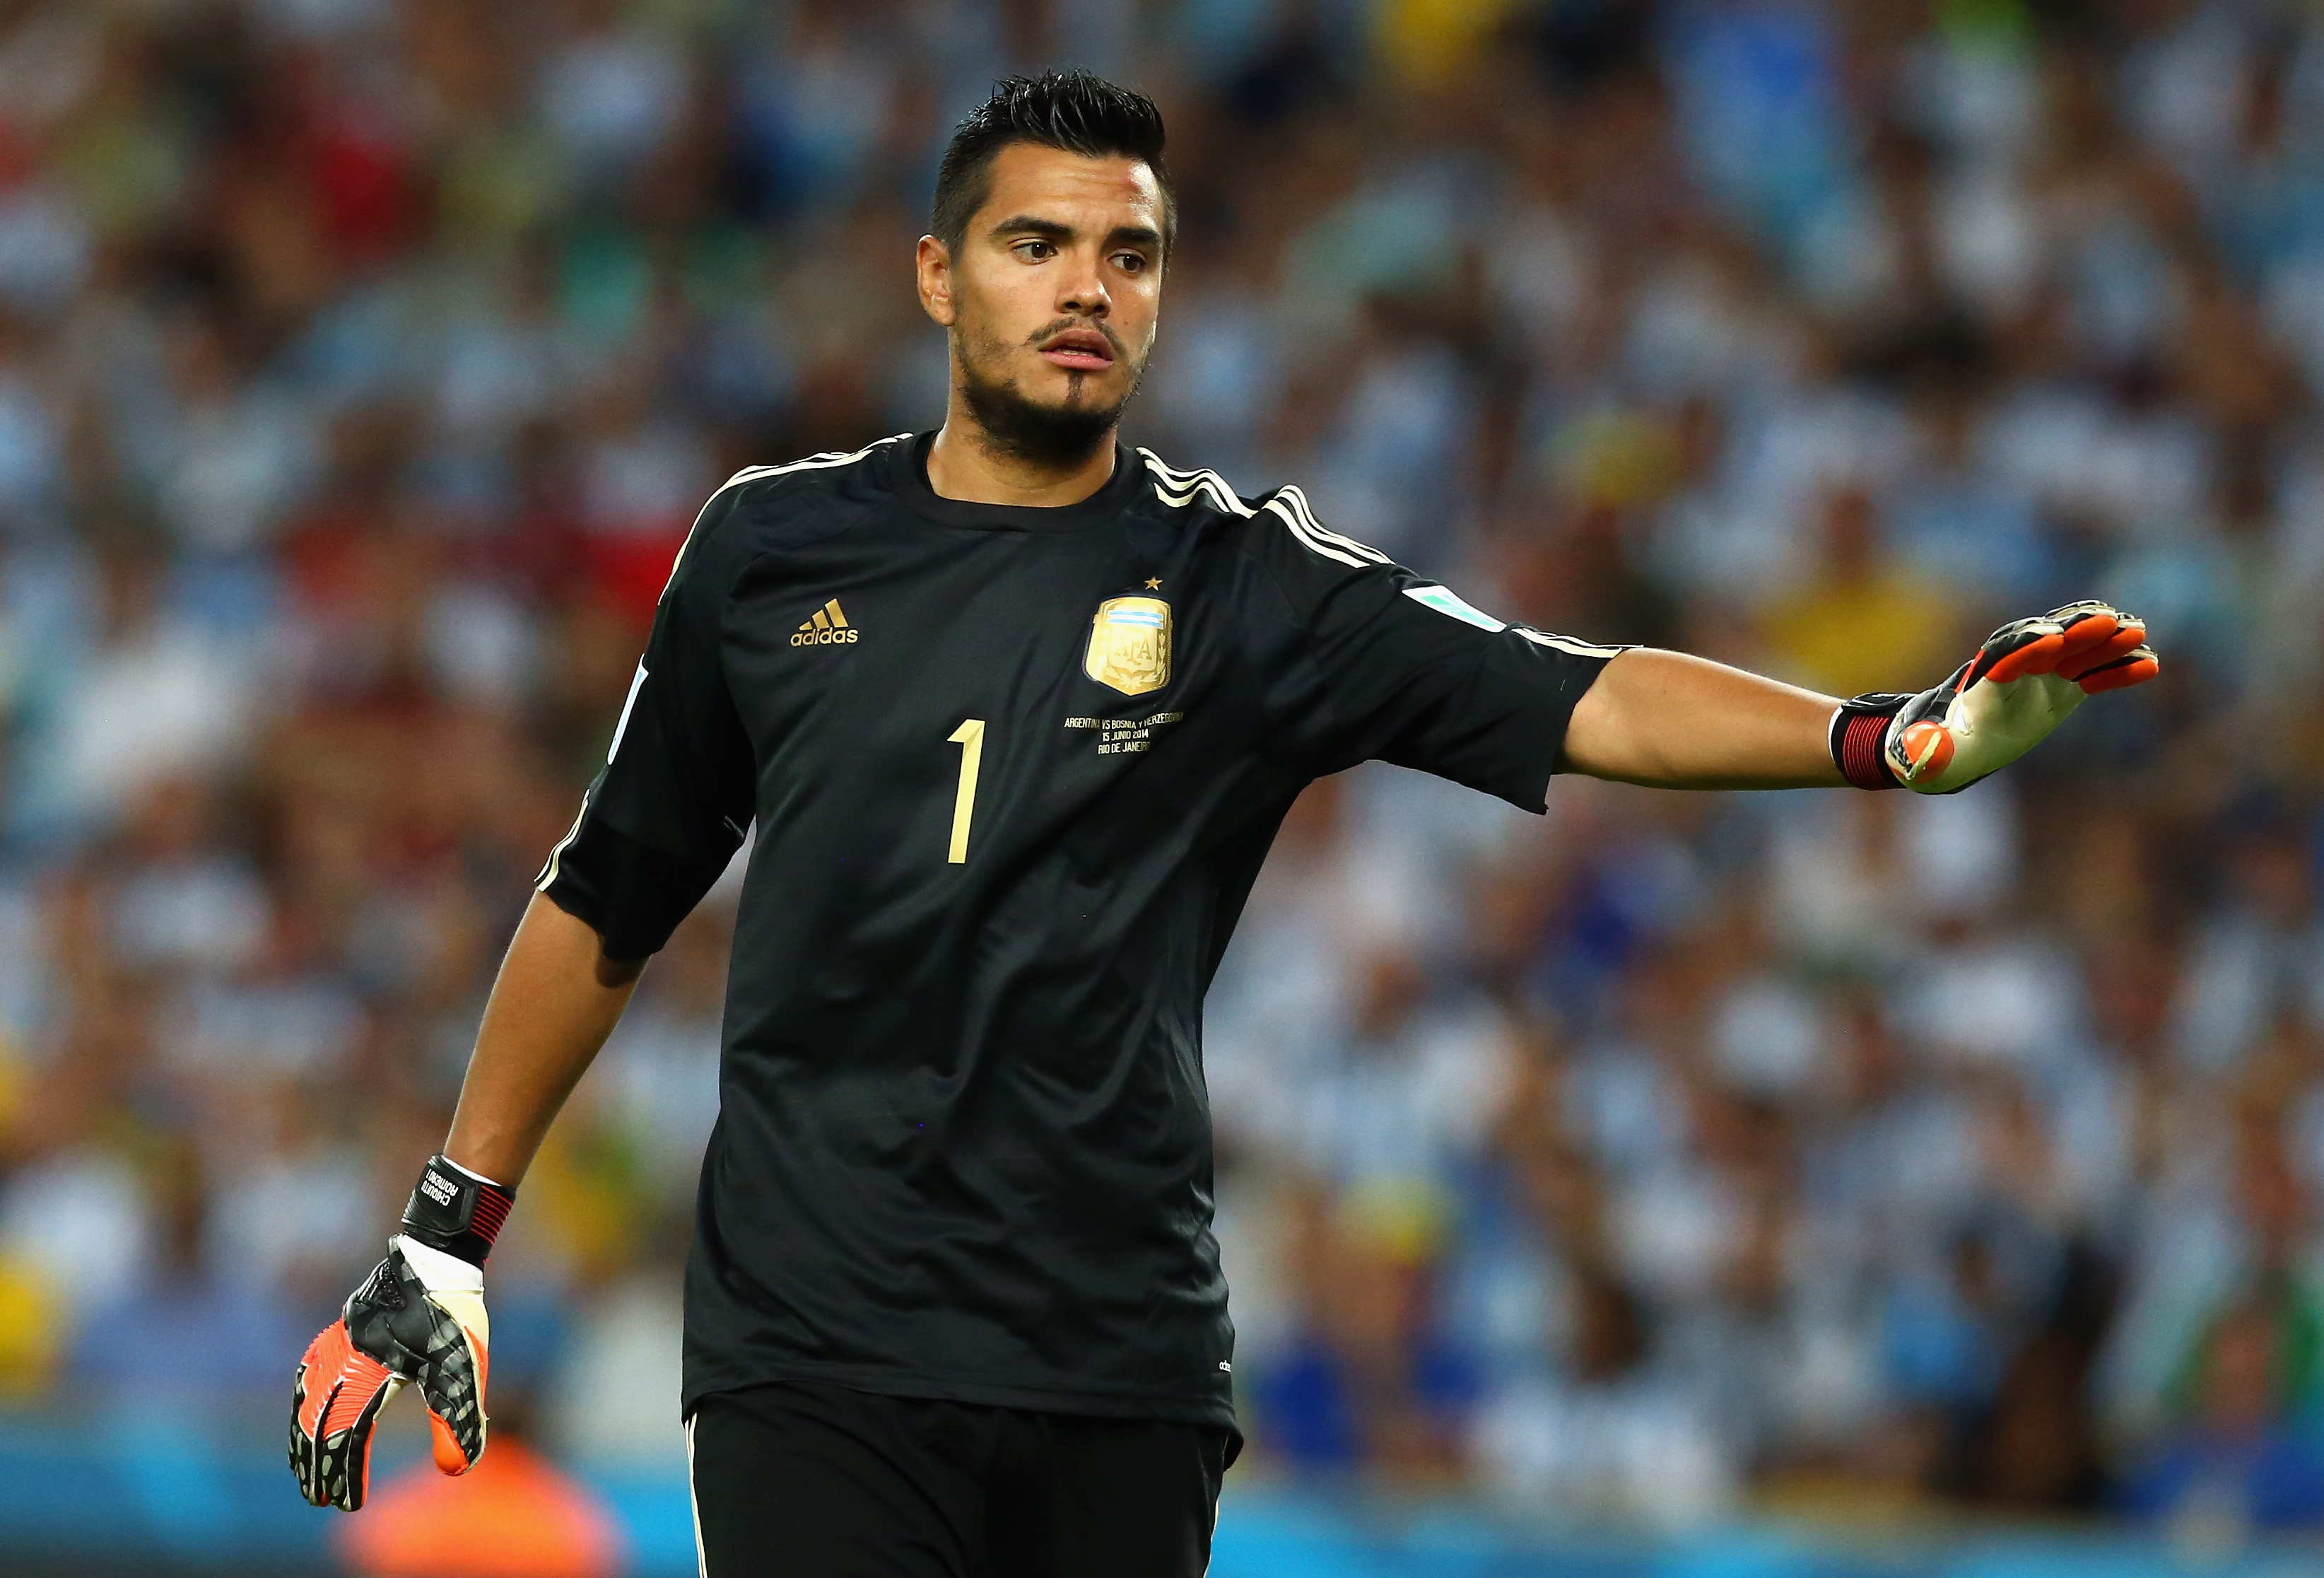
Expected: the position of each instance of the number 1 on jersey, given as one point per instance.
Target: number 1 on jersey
(970, 738)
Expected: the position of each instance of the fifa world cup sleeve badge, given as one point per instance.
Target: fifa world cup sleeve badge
(1130, 645)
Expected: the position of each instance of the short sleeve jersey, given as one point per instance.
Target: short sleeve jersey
(1013, 772)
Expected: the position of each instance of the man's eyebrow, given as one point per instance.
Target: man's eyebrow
(1057, 231)
(1026, 225)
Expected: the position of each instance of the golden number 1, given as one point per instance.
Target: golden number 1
(970, 738)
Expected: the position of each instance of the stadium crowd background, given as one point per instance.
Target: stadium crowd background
(362, 363)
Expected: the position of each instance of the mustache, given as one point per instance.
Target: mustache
(1050, 331)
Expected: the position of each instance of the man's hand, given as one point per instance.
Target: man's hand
(2025, 680)
(420, 1315)
(419, 1318)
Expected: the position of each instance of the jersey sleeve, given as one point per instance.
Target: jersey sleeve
(1388, 665)
(667, 811)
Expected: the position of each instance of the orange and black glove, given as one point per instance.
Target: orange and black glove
(418, 1319)
(2026, 679)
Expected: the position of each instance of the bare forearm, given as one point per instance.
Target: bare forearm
(556, 999)
(1672, 721)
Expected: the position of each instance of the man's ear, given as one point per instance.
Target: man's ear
(932, 264)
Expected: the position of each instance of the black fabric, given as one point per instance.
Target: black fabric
(817, 1480)
(965, 1147)
(453, 1210)
(654, 834)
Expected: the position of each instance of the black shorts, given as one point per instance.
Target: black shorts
(802, 1480)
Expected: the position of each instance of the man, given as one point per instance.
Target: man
(1017, 713)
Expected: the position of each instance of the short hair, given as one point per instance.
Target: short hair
(1077, 112)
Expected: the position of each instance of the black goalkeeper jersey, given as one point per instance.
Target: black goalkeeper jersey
(1013, 772)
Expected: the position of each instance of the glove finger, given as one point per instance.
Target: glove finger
(452, 1381)
(2089, 631)
(2052, 653)
(2127, 638)
(336, 1400)
(311, 1388)
(2011, 638)
(445, 1446)
(2037, 656)
(342, 1474)
(2132, 668)
(302, 1438)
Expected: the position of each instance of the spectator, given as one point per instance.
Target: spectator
(1860, 623)
(1369, 1382)
(2237, 1457)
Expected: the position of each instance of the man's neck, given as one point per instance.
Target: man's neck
(964, 465)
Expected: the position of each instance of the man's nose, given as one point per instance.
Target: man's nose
(1082, 292)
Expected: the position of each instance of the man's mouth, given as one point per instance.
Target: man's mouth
(1078, 350)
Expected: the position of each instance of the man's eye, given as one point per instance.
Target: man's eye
(1035, 251)
(1130, 262)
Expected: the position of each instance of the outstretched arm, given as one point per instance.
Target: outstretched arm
(1676, 722)
(1672, 721)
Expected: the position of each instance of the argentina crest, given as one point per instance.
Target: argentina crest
(1130, 645)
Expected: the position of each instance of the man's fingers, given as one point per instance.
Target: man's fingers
(2038, 656)
(2071, 642)
(2136, 666)
(302, 1432)
(443, 1445)
(2092, 629)
(456, 1412)
(2055, 654)
(309, 1398)
(335, 1397)
(2122, 642)
(452, 1372)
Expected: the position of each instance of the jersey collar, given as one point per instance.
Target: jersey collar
(909, 472)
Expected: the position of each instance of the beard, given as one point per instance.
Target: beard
(1023, 430)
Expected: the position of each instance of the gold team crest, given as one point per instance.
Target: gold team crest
(1130, 645)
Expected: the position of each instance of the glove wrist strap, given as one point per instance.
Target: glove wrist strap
(1859, 731)
(456, 1211)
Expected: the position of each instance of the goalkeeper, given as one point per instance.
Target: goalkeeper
(1016, 712)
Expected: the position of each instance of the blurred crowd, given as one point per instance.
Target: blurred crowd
(362, 363)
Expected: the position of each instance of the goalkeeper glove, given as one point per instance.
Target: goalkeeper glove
(417, 1318)
(2025, 681)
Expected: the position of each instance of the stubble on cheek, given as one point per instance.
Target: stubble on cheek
(986, 355)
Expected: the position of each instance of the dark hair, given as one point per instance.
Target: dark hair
(1075, 111)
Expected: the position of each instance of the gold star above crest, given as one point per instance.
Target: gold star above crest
(1153, 584)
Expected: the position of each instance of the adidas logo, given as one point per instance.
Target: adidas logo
(828, 628)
